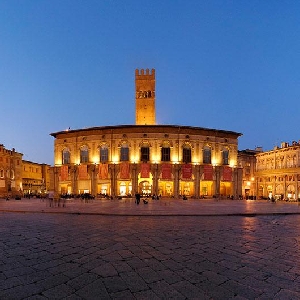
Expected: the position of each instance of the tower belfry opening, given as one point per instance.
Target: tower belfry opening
(145, 97)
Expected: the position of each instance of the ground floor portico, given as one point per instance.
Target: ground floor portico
(280, 184)
(147, 179)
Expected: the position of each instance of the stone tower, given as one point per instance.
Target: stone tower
(145, 97)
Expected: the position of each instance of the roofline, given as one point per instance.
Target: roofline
(54, 134)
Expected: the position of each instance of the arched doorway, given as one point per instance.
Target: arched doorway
(290, 192)
(145, 188)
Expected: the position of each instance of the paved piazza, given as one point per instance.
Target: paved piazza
(65, 254)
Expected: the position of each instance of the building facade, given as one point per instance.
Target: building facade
(166, 160)
(10, 172)
(247, 162)
(278, 172)
(35, 178)
(156, 159)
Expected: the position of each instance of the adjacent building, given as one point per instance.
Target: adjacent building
(247, 162)
(278, 172)
(166, 160)
(10, 172)
(35, 178)
(20, 177)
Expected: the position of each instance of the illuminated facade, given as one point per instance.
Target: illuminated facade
(278, 172)
(145, 97)
(166, 160)
(10, 172)
(35, 178)
(247, 162)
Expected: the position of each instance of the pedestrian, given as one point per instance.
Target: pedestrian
(137, 198)
(51, 198)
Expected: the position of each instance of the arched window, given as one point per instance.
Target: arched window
(124, 153)
(207, 155)
(104, 154)
(225, 157)
(186, 154)
(1, 173)
(66, 156)
(84, 154)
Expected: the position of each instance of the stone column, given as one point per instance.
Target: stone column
(239, 183)
(56, 181)
(216, 181)
(296, 186)
(113, 179)
(93, 176)
(197, 181)
(155, 179)
(176, 180)
(134, 176)
(273, 186)
(73, 179)
(284, 187)
(256, 188)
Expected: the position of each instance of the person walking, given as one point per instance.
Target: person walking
(137, 198)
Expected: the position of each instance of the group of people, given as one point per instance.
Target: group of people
(138, 198)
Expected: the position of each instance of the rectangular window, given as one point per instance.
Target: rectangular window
(165, 154)
(104, 155)
(186, 155)
(225, 155)
(145, 154)
(84, 156)
(207, 156)
(124, 154)
(66, 157)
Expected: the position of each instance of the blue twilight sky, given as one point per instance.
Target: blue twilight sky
(231, 65)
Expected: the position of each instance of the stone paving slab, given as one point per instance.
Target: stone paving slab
(191, 207)
(73, 256)
(170, 248)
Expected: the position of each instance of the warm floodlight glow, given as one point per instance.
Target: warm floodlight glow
(214, 162)
(95, 159)
(232, 163)
(115, 159)
(134, 159)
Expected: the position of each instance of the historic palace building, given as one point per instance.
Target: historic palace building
(247, 161)
(278, 172)
(35, 178)
(10, 172)
(166, 160)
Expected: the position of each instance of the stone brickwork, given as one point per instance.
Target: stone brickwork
(145, 97)
(10, 172)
